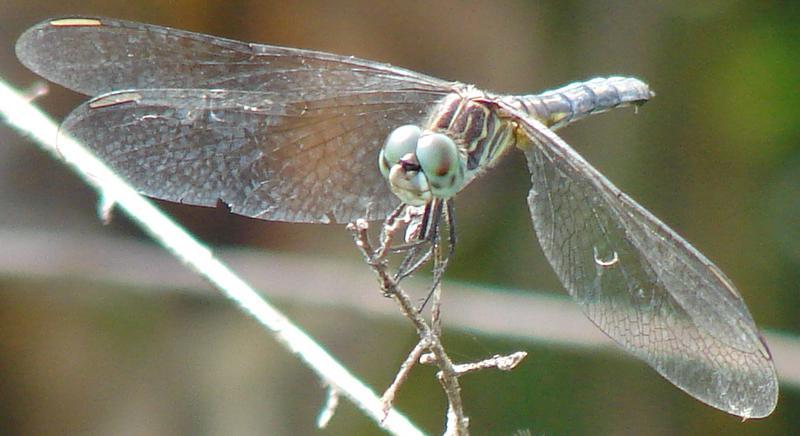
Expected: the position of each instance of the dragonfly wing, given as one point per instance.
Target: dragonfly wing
(264, 154)
(644, 285)
(99, 55)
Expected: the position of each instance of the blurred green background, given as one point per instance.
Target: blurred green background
(716, 155)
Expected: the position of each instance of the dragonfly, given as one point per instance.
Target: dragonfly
(295, 135)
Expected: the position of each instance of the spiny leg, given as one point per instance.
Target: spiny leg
(418, 236)
(429, 233)
(440, 264)
(440, 267)
(412, 217)
(387, 233)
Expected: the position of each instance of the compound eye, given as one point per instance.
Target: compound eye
(401, 141)
(442, 164)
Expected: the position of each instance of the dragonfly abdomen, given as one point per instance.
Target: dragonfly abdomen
(575, 101)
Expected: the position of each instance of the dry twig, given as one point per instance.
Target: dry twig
(429, 333)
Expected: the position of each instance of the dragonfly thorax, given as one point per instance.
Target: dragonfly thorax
(462, 137)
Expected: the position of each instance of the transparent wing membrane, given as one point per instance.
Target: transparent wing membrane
(644, 285)
(98, 55)
(266, 155)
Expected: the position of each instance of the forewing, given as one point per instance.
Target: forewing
(99, 55)
(644, 285)
(264, 154)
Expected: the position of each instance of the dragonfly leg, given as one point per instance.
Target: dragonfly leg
(440, 267)
(427, 239)
(440, 264)
(401, 214)
(427, 242)
(387, 234)
(451, 226)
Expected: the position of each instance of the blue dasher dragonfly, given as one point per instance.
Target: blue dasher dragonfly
(302, 136)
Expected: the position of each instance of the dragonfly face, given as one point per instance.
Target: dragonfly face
(293, 135)
(421, 166)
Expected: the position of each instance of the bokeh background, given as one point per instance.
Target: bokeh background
(716, 155)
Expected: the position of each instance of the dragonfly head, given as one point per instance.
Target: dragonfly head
(421, 165)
